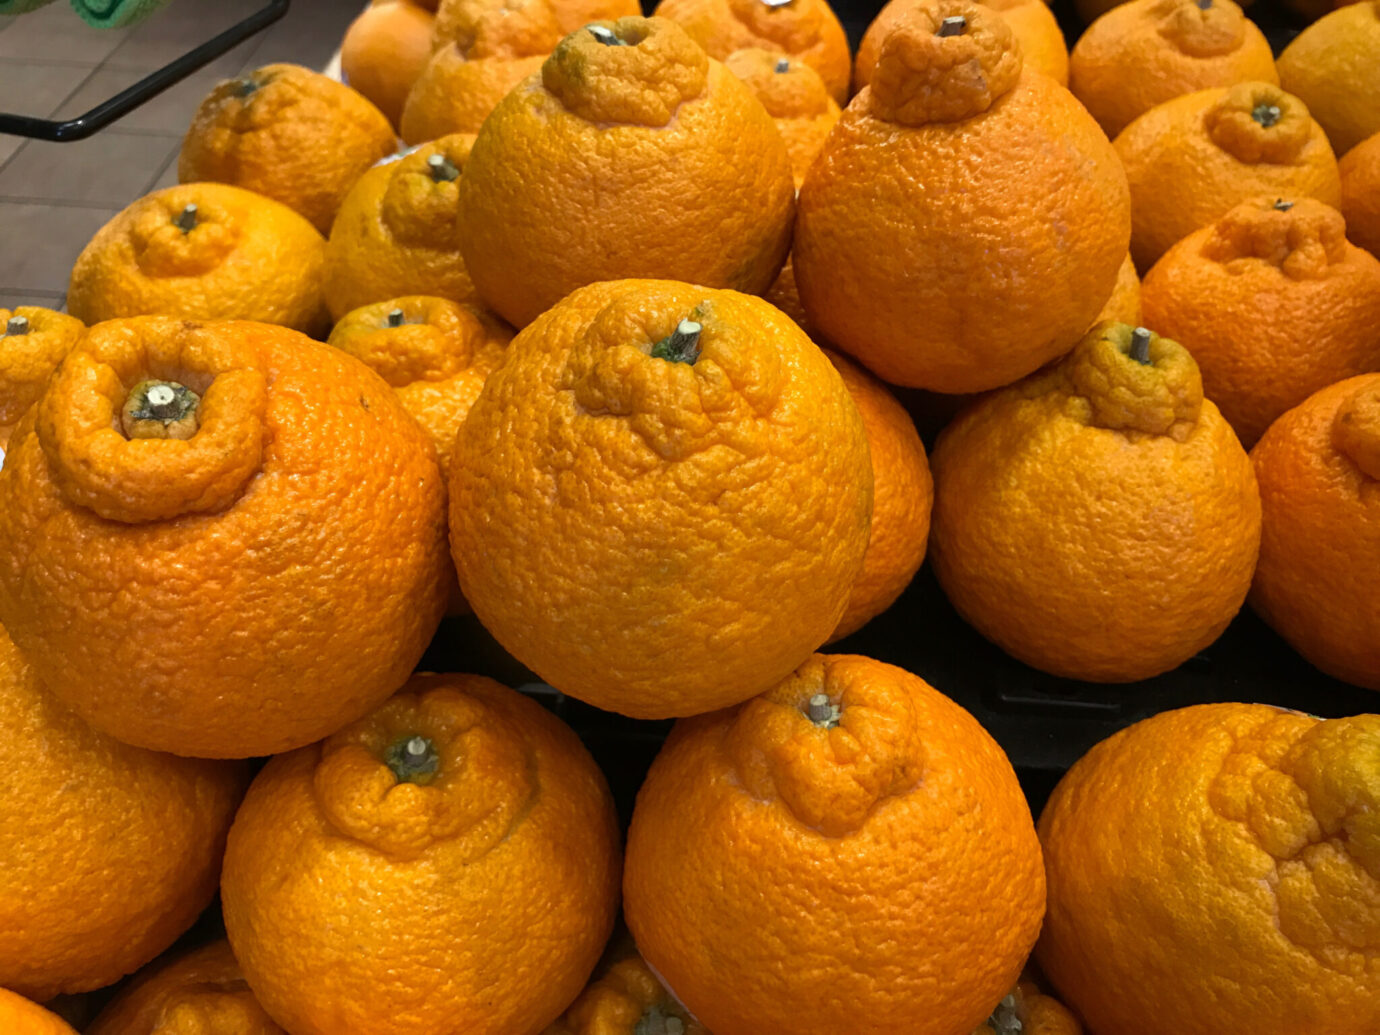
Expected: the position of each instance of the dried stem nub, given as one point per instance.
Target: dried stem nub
(160, 409)
(783, 66)
(17, 325)
(822, 711)
(186, 219)
(1140, 346)
(680, 346)
(955, 25)
(655, 1021)
(1283, 206)
(1266, 114)
(395, 317)
(1204, 5)
(606, 36)
(413, 759)
(443, 170)
(777, 3)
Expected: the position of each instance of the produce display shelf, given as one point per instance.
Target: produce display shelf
(108, 111)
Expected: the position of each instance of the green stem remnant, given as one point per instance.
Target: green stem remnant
(186, 219)
(606, 36)
(956, 25)
(680, 346)
(160, 409)
(657, 1022)
(1283, 206)
(17, 325)
(822, 711)
(443, 170)
(1266, 114)
(1140, 346)
(395, 318)
(245, 87)
(413, 759)
(782, 66)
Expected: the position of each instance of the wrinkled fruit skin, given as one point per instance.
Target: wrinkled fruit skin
(870, 863)
(475, 904)
(111, 851)
(733, 495)
(28, 359)
(624, 1001)
(243, 592)
(18, 1014)
(1232, 852)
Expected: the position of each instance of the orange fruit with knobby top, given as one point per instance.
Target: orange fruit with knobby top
(288, 133)
(384, 52)
(627, 999)
(23, 1017)
(1193, 159)
(219, 539)
(1128, 479)
(691, 443)
(435, 353)
(784, 293)
(1319, 472)
(204, 251)
(1124, 306)
(1032, 23)
(485, 49)
(200, 993)
(632, 154)
(902, 495)
(33, 341)
(1146, 52)
(1229, 850)
(110, 851)
(901, 246)
(448, 864)
(1360, 172)
(569, 14)
(794, 96)
(1274, 304)
(885, 871)
(398, 232)
(1029, 1011)
(806, 30)
(1332, 66)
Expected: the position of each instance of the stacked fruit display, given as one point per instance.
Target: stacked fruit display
(601, 359)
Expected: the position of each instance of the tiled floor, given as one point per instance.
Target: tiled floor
(53, 197)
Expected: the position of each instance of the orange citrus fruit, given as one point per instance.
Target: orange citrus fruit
(1193, 159)
(1332, 66)
(691, 443)
(1125, 304)
(1318, 467)
(627, 999)
(484, 49)
(956, 180)
(384, 51)
(203, 251)
(1028, 1011)
(884, 871)
(630, 155)
(434, 353)
(447, 864)
(219, 539)
(1360, 172)
(807, 30)
(22, 1017)
(110, 851)
(398, 233)
(569, 14)
(1273, 303)
(1128, 479)
(902, 494)
(1146, 52)
(288, 133)
(200, 993)
(794, 96)
(1032, 23)
(784, 293)
(1214, 869)
(33, 341)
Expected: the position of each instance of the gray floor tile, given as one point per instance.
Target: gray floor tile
(55, 33)
(309, 33)
(170, 112)
(33, 88)
(111, 168)
(168, 177)
(180, 27)
(41, 242)
(11, 297)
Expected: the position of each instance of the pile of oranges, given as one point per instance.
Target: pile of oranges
(602, 356)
